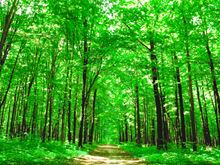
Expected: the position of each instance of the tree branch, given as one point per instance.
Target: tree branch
(141, 42)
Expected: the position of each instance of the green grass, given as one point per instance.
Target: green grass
(34, 152)
(204, 156)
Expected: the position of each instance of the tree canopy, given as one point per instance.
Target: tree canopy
(84, 71)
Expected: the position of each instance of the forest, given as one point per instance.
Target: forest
(85, 77)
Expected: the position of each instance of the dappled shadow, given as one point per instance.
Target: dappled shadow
(107, 155)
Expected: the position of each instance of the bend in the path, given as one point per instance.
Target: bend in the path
(108, 155)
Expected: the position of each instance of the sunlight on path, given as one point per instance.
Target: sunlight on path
(107, 155)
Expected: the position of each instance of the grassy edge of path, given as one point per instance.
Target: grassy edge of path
(35, 152)
(204, 156)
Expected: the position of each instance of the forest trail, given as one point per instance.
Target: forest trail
(107, 155)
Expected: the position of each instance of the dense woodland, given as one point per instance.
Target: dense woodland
(109, 71)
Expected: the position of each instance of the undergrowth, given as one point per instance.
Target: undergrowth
(174, 155)
(34, 152)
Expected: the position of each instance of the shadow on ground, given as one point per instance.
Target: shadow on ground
(107, 155)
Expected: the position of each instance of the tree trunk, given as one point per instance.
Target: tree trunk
(4, 46)
(126, 128)
(85, 63)
(177, 126)
(145, 124)
(214, 85)
(201, 111)
(63, 128)
(206, 130)
(191, 100)
(8, 121)
(24, 127)
(156, 96)
(11, 77)
(35, 112)
(182, 119)
(51, 86)
(138, 140)
(69, 110)
(44, 132)
(131, 134)
(153, 142)
(85, 133)
(75, 110)
(93, 118)
(12, 125)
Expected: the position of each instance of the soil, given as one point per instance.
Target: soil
(107, 155)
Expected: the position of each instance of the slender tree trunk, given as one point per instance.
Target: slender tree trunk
(153, 142)
(202, 114)
(156, 96)
(50, 115)
(122, 132)
(191, 100)
(131, 134)
(214, 85)
(119, 132)
(135, 120)
(35, 112)
(24, 124)
(57, 128)
(206, 126)
(145, 124)
(138, 116)
(93, 118)
(8, 121)
(85, 133)
(11, 77)
(44, 132)
(182, 119)
(12, 125)
(69, 110)
(63, 128)
(177, 126)
(4, 45)
(51, 87)
(126, 128)
(165, 122)
(85, 63)
(75, 110)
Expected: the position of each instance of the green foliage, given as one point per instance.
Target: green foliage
(34, 152)
(174, 155)
(76, 45)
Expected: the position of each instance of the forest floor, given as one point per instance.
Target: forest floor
(28, 152)
(106, 155)
(32, 151)
(203, 156)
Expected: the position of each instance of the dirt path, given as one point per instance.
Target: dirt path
(107, 155)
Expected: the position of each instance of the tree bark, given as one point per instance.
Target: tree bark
(93, 118)
(85, 63)
(201, 111)
(75, 110)
(69, 109)
(138, 140)
(145, 136)
(191, 100)
(63, 128)
(214, 86)
(4, 46)
(11, 76)
(182, 119)
(12, 125)
(156, 96)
